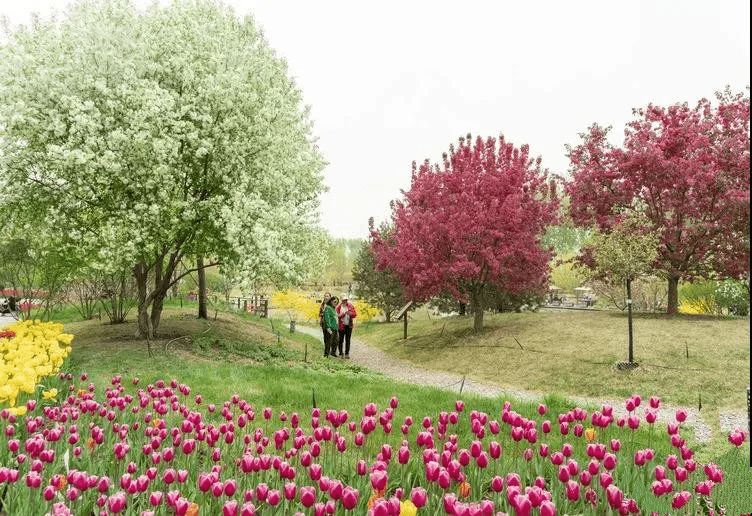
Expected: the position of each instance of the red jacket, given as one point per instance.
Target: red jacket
(346, 314)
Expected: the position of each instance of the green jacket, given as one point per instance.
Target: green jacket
(330, 318)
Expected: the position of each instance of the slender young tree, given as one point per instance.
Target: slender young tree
(476, 220)
(145, 136)
(683, 170)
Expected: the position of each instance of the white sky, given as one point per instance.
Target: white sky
(390, 82)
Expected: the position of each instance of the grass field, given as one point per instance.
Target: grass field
(682, 358)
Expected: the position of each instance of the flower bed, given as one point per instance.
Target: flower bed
(129, 448)
(29, 352)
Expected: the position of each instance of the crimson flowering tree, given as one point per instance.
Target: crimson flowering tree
(476, 220)
(683, 171)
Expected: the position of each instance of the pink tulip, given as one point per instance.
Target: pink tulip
(680, 499)
(290, 490)
(704, 488)
(449, 500)
(573, 491)
(155, 498)
(273, 497)
(116, 502)
(672, 462)
(737, 437)
(307, 496)
(379, 480)
(497, 484)
(522, 505)
(403, 455)
(48, 493)
(314, 472)
(444, 479)
(230, 487)
(658, 488)
(261, 491)
(614, 495)
(547, 508)
(585, 478)
(419, 497)
(350, 497)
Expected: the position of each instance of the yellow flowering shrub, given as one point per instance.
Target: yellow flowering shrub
(365, 311)
(692, 307)
(297, 305)
(35, 352)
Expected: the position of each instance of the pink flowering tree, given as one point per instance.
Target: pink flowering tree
(473, 221)
(685, 172)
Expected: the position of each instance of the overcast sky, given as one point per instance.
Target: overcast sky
(390, 82)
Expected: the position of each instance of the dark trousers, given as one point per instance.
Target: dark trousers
(330, 343)
(344, 337)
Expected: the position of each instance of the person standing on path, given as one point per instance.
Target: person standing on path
(346, 314)
(330, 320)
(322, 323)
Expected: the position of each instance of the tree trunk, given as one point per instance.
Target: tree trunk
(156, 308)
(202, 314)
(477, 301)
(672, 305)
(629, 323)
(145, 328)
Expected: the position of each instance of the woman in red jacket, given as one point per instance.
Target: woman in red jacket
(345, 314)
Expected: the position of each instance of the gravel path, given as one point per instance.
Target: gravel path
(372, 358)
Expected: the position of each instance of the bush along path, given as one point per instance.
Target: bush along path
(367, 356)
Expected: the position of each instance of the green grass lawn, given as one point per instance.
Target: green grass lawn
(575, 352)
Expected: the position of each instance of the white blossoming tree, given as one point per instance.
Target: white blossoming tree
(144, 136)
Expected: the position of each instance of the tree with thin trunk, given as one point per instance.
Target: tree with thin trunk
(619, 257)
(476, 220)
(685, 171)
(147, 136)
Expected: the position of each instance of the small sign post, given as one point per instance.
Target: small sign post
(403, 313)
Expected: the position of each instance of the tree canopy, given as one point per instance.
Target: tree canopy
(477, 219)
(139, 137)
(685, 172)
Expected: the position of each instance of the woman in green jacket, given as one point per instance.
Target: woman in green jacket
(332, 325)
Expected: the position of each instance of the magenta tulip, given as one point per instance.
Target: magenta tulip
(116, 502)
(680, 499)
(547, 508)
(307, 496)
(350, 497)
(573, 491)
(614, 495)
(155, 498)
(379, 480)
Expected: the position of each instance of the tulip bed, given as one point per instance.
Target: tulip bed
(128, 448)
(29, 352)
